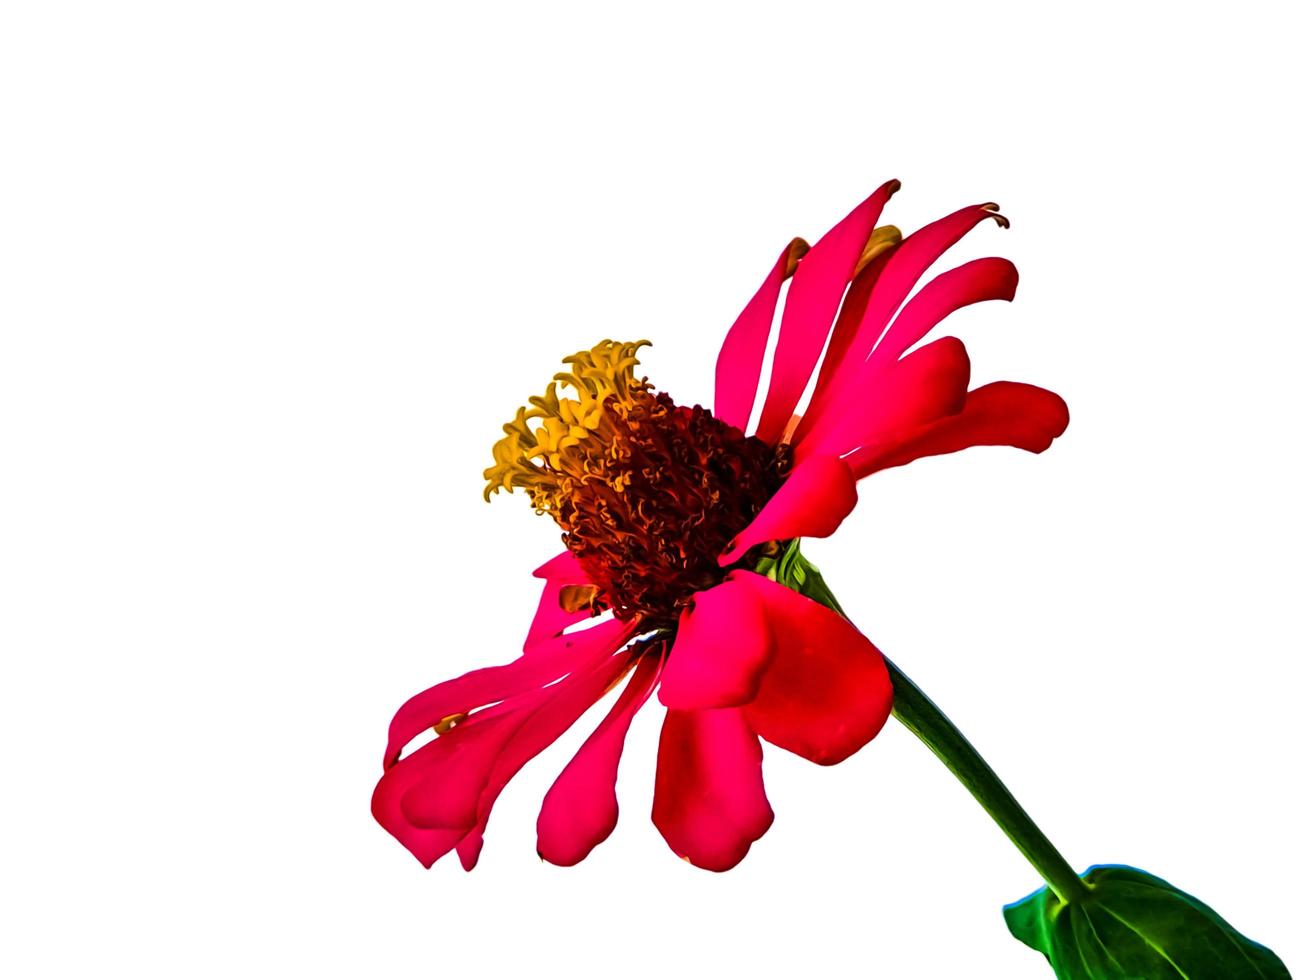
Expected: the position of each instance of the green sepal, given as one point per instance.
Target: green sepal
(790, 568)
(1135, 926)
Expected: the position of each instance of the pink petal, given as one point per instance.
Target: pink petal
(889, 402)
(1005, 413)
(721, 648)
(811, 503)
(551, 618)
(972, 282)
(456, 765)
(904, 267)
(469, 849)
(814, 297)
(709, 803)
(911, 259)
(568, 700)
(827, 691)
(580, 809)
(846, 324)
(425, 843)
(565, 567)
(462, 695)
(739, 362)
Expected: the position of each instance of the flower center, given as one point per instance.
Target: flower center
(648, 493)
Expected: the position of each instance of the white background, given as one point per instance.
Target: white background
(273, 274)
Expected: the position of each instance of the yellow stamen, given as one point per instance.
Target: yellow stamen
(574, 598)
(534, 448)
(882, 240)
(448, 722)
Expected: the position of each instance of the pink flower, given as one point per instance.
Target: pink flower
(667, 513)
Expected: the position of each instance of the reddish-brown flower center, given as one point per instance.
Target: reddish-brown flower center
(648, 493)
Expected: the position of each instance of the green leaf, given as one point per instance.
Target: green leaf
(1135, 926)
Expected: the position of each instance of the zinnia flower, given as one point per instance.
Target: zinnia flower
(675, 519)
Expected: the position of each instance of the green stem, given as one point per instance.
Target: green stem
(923, 719)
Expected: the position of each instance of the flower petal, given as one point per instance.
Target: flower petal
(551, 618)
(973, 282)
(455, 768)
(904, 267)
(810, 307)
(827, 691)
(565, 703)
(469, 849)
(427, 844)
(846, 324)
(722, 647)
(1005, 413)
(739, 362)
(580, 809)
(441, 795)
(709, 802)
(811, 503)
(462, 695)
(889, 402)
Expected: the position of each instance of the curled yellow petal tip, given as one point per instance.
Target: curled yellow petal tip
(602, 379)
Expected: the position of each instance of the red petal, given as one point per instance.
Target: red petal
(811, 503)
(904, 267)
(564, 567)
(551, 618)
(827, 692)
(709, 803)
(739, 362)
(425, 843)
(814, 297)
(846, 324)
(469, 849)
(441, 795)
(887, 403)
(568, 700)
(462, 695)
(456, 766)
(722, 647)
(1005, 413)
(973, 282)
(580, 809)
